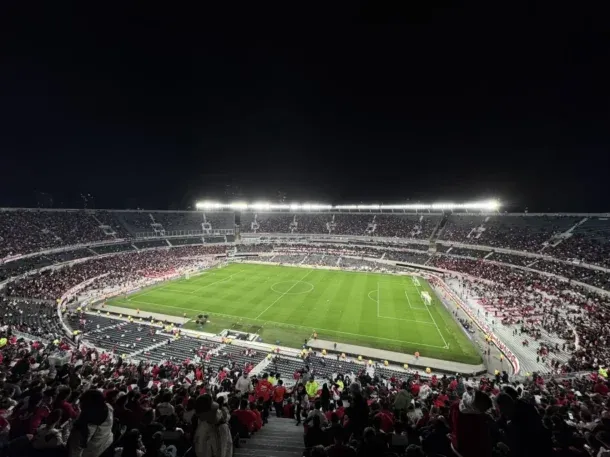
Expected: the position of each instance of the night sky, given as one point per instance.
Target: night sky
(156, 109)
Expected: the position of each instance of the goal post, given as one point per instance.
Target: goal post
(426, 298)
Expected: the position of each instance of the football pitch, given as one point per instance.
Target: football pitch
(285, 305)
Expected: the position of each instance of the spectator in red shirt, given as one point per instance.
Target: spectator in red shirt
(601, 387)
(415, 389)
(257, 413)
(26, 419)
(264, 388)
(278, 397)
(247, 419)
(263, 391)
(340, 411)
(441, 399)
(453, 384)
(288, 410)
(67, 410)
(386, 423)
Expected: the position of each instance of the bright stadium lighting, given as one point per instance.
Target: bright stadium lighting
(238, 205)
(209, 205)
(261, 205)
(485, 205)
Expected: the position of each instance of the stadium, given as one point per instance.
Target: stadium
(356, 231)
(386, 292)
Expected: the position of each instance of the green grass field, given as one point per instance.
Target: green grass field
(287, 304)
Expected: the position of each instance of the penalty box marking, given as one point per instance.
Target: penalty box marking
(379, 316)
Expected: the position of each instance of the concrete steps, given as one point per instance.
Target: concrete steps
(278, 438)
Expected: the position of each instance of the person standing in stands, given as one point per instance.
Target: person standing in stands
(525, 434)
(244, 384)
(92, 432)
(263, 391)
(312, 388)
(247, 419)
(301, 401)
(213, 436)
(272, 380)
(278, 398)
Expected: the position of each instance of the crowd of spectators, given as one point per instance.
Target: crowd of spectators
(353, 224)
(455, 250)
(77, 402)
(52, 283)
(27, 231)
(462, 228)
(22, 232)
(583, 248)
(94, 404)
(535, 301)
(406, 226)
(522, 233)
(513, 259)
(409, 257)
(597, 278)
(31, 317)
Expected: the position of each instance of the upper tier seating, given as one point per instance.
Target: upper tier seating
(521, 233)
(590, 243)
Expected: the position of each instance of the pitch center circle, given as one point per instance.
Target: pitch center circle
(292, 287)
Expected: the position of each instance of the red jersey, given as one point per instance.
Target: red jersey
(247, 418)
(387, 424)
(288, 410)
(601, 388)
(278, 394)
(415, 389)
(440, 400)
(263, 389)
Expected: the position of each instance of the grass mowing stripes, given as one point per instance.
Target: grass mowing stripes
(286, 304)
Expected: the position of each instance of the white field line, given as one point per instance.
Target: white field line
(437, 328)
(283, 294)
(406, 320)
(228, 278)
(379, 316)
(152, 289)
(410, 304)
(168, 284)
(232, 316)
(377, 298)
(436, 325)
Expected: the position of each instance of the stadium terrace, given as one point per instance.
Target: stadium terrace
(408, 319)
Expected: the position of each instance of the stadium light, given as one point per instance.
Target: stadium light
(485, 205)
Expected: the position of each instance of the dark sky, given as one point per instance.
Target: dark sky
(156, 108)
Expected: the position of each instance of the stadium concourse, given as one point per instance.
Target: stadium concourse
(79, 383)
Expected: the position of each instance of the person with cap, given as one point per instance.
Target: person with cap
(212, 436)
(244, 384)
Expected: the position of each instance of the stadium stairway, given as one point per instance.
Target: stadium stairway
(278, 438)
